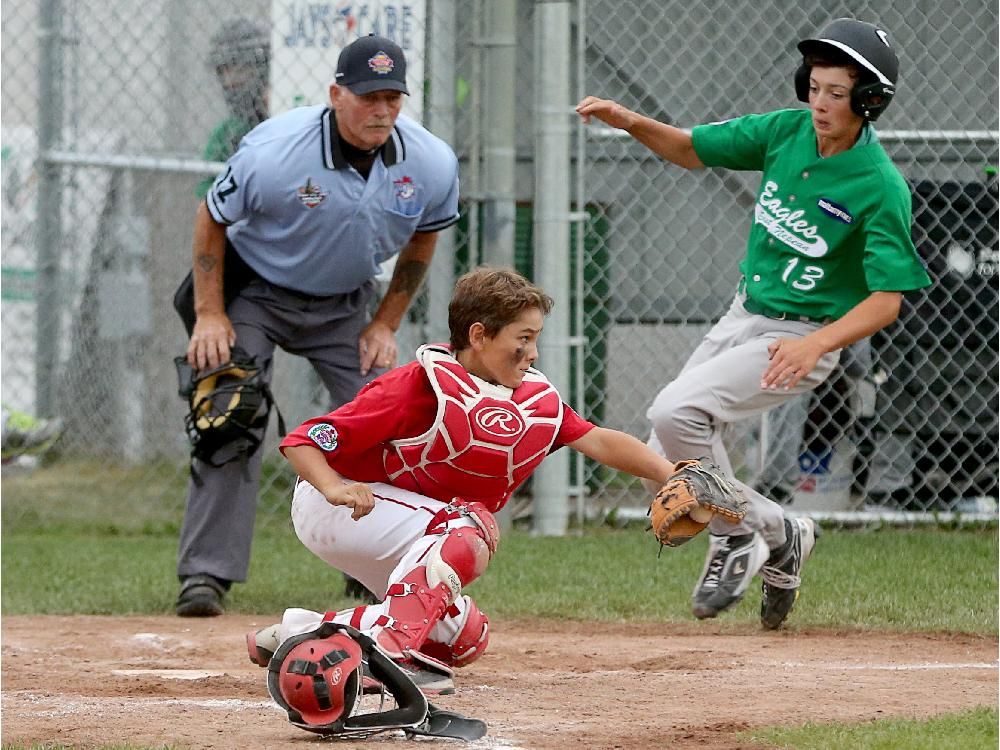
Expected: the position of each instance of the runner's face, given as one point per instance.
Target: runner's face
(366, 120)
(830, 103)
(505, 358)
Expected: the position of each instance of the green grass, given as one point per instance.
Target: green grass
(88, 553)
(969, 730)
(888, 579)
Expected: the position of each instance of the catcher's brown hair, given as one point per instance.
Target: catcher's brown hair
(494, 297)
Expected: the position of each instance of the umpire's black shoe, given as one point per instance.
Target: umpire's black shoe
(201, 596)
(782, 571)
(731, 564)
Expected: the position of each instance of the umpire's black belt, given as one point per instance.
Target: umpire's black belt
(756, 308)
(305, 297)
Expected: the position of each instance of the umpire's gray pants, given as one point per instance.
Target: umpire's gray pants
(219, 519)
(719, 384)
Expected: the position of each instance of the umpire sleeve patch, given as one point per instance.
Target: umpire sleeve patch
(324, 435)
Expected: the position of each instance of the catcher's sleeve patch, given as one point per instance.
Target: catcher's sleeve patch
(324, 435)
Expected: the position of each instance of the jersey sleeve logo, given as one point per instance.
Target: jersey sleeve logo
(311, 195)
(324, 435)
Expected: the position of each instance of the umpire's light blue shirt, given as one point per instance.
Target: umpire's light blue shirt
(304, 219)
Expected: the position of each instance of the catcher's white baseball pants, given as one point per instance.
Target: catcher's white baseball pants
(720, 384)
(377, 549)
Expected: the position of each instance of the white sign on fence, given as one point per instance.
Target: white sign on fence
(307, 37)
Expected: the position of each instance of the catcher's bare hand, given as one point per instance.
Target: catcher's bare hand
(606, 111)
(211, 339)
(356, 495)
(791, 360)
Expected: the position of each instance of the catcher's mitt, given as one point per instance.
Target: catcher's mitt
(695, 492)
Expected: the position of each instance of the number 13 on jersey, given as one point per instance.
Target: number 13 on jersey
(804, 278)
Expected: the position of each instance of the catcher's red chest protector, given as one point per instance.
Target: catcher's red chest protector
(485, 439)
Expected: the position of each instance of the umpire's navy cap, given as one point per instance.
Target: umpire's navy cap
(372, 63)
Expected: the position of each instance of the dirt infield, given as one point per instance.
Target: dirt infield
(88, 681)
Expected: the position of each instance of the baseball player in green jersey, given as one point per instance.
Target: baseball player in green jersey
(827, 260)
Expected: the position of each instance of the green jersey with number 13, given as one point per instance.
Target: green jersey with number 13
(827, 232)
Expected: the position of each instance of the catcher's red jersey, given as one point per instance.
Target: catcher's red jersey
(484, 437)
(442, 433)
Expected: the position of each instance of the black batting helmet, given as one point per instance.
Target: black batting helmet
(866, 45)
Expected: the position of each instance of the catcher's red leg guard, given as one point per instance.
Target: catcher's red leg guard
(472, 639)
(415, 604)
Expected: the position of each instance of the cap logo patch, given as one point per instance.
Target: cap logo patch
(381, 63)
(404, 188)
(324, 435)
(310, 195)
(883, 36)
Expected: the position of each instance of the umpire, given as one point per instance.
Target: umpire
(306, 209)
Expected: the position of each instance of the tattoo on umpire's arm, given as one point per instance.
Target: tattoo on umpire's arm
(406, 280)
(206, 262)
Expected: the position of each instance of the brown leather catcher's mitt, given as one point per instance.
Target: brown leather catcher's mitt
(692, 496)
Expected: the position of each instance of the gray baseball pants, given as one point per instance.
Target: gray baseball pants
(219, 519)
(720, 384)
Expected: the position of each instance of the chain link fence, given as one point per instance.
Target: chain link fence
(112, 119)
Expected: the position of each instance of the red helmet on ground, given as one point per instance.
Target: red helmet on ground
(318, 680)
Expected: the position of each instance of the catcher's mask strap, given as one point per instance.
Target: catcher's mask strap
(411, 704)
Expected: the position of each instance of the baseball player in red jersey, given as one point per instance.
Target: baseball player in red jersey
(397, 488)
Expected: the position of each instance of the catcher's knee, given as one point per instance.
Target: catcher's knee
(457, 559)
(471, 641)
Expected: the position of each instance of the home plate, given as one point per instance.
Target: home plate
(169, 674)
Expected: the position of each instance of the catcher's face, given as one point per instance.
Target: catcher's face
(830, 103)
(503, 359)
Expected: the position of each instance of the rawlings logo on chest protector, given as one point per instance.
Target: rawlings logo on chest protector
(485, 439)
(499, 421)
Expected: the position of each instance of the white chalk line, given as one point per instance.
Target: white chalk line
(95, 706)
(838, 667)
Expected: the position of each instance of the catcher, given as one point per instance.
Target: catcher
(398, 487)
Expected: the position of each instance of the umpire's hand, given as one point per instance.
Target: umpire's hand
(211, 340)
(377, 347)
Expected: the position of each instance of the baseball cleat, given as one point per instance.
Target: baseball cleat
(430, 680)
(731, 564)
(782, 571)
(261, 645)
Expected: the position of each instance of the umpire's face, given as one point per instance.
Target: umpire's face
(365, 120)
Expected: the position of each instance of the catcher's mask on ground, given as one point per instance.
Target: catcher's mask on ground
(870, 48)
(319, 679)
(317, 676)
